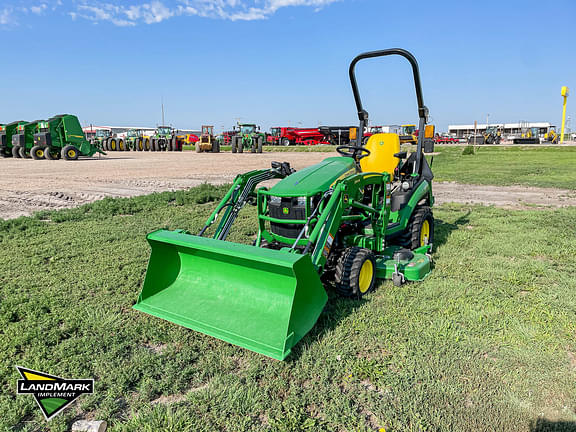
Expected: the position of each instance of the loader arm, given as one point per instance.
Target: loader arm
(239, 194)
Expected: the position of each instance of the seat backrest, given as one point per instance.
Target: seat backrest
(382, 147)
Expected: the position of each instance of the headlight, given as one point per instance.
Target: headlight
(275, 200)
(302, 201)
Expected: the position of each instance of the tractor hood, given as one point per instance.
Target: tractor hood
(314, 179)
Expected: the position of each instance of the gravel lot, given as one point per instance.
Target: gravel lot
(27, 186)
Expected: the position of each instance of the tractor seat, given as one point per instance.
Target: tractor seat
(382, 147)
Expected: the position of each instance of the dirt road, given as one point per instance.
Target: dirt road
(27, 186)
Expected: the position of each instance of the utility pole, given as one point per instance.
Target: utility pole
(162, 102)
(565, 93)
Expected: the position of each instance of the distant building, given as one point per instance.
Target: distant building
(462, 131)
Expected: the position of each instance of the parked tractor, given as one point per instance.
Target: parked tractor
(342, 224)
(23, 141)
(207, 142)
(134, 140)
(248, 137)
(6, 149)
(104, 139)
(165, 139)
(62, 136)
(408, 134)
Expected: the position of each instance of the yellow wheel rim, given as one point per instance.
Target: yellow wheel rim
(366, 273)
(113, 145)
(40, 153)
(425, 233)
(71, 153)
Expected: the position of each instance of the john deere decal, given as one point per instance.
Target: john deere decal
(52, 393)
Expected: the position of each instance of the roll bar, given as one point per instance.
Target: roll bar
(363, 114)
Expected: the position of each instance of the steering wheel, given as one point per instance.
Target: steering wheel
(354, 152)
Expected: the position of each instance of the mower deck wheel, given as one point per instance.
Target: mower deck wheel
(355, 273)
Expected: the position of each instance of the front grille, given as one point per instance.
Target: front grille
(18, 140)
(43, 139)
(288, 208)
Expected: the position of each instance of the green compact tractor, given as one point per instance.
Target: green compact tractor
(62, 136)
(207, 142)
(248, 136)
(165, 139)
(23, 141)
(134, 140)
(6, 134)
(343, 223)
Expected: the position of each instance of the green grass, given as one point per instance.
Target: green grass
(525, 165)
(487, 342)
(543, 166)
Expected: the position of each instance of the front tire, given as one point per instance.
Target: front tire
(37, 152)
(15, 152)
(285, 142)
(355, 273)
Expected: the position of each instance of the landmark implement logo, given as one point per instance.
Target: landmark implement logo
(52, 393)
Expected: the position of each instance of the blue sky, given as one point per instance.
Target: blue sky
(280, 62)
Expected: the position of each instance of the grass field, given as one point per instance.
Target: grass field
(544, 166)
(487, 342)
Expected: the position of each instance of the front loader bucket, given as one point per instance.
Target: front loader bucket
(260, 299)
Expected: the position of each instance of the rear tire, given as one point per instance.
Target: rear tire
(147, 144)
(420, 229)
(121, 146)
(234, 145)
(37, 153)
(70, 153)
(198, 149)
(112, 144)
(259, 145)
(174, 145)
(240, 145)
(355, 273)
(15, 152)
(22, 153)
(285, 142)
(215, 147)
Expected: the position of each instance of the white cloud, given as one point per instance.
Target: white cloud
(38, 10)
(131, 13)
(158, 11)
(6, 17)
